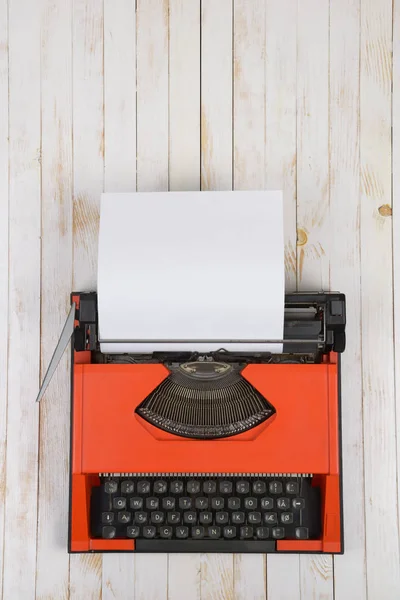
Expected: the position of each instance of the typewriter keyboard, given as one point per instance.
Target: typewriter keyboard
(206, 513)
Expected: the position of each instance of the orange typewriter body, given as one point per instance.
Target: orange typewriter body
(303, 436)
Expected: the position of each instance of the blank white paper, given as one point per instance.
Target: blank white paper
(191, 271)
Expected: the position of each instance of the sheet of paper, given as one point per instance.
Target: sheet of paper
(191, 271)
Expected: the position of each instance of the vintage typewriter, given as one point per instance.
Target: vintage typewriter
(211, 452)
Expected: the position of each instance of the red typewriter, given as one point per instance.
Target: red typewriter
(208, 452)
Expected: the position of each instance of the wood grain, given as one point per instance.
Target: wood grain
(345, 272)
(152, 19)
(216, 174)
(88, 175)
(382, 539)
(4, 272)
(280, 173)
(19, 568)
(249, 174)
(118, 573)
(314, 231)
(56, 184)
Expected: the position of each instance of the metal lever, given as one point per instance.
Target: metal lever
(63, 342)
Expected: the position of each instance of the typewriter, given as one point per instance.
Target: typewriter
(208, 452)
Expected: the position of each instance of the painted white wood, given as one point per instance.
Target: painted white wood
(88, 167)
(382, 539)
(280, 173)
(118, 573)
(152, 19)
(314, 230)
(216, 174)
(4, 273)
(184, 174)
(249, 173)
(19, 568)
(56, 187)
(344, 104)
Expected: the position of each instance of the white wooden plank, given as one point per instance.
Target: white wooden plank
(120, 96)
(382, 538)
(184, 174)
(280, 173)
(216, 95)
(249, 173)
(152, 18)
(396, 220)
(88, 160)
(216, 174)
(24, 301)
(344, 71)
(314, 230)
(56, 181)
(3, 262)
(118, 574)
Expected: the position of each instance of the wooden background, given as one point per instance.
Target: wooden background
(185, 95)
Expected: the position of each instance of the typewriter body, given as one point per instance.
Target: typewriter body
(211, 452)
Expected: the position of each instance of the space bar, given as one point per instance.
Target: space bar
(259, 547)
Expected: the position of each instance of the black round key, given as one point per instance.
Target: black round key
(250, 503)
(225, 487)
(182, 532)
(197, 532)
(189, 517)
(270, 518)
(132, 531)
(149, 532)
(229, 532)
(254, 517)
(278, 533)
(176, 487)
(287, 518)
(143, 487)
(292, 487)
(275, 487)
(242, 487)
(140, 517)
(165, 531)
(119, 503)
(160, 487)
(157, 517)
(209, 487)
(110, 487)
(221, 517)
(246, 532)
(168, 503)
(173, 518)
(201, 502)
(185, 502)
(233, 503)
(259, 487)
(217, 503)
(152, 503)
(262, 533)
(205, 517)
(127, 487)
(237, 517)
(214, 532)
(301, 533)
(107, 517)
(124, 516)
(136, 503)
(193, 487)
(267, 503)
(283, 503)
(108, 532)
(298, 503)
